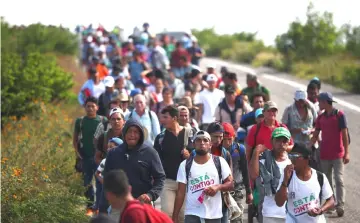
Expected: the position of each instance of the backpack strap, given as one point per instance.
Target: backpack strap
(131, 113)
(258, 125)
(288, 183)
(188, 165)
(338, 117)
(320, 178)
(217, 163)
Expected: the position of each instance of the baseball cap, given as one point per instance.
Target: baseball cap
(109, 81)
(213, 66)
(251, 77)
(123, 97)
(229, 130)
(269, 105)
(141, 83)
(202, 134)
(116, 140)
(135, 91)
(301, 149)
(215, 127)
(211, 77)
(229, 89)
(300, 95)
(259, 112)
(326, 96)
(281, 132)
(116, 110)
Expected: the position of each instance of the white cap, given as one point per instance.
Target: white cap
(202, 134)
(109, 81)
(211, 77)
(116, 110)
(300, 95)
(213, 66)
(195, 67)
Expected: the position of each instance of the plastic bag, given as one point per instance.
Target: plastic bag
(234, 210)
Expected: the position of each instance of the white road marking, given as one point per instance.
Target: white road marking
(280, 80)
(301, 86)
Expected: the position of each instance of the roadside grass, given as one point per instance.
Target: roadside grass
(39, 183)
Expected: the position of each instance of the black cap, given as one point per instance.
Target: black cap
(326, 96)
(229, 89)
(215, 127)
(301, 149)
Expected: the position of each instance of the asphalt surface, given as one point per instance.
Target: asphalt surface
(282, 93)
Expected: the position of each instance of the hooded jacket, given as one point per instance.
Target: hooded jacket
(141, 164)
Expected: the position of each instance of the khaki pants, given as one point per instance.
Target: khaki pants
(273, 220)
(167, 198)
(328, 166)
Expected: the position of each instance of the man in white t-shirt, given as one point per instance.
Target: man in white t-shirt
(201, 179)
(303, 189)
(267, 169)
(209, 100)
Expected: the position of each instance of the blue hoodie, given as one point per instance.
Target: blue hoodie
(141, 164)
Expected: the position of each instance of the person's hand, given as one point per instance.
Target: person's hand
(78, 154)
(287, 172)
(260, 148)
(144, 198)
(211, 191)
(249, 198)
(315, 212)
(185, 153)
(346, 158)
(236, 126)
(175, 218)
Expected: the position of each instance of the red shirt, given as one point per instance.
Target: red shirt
(331, 144)
(264, 135)
(176, 55)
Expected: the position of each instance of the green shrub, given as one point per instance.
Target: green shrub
(38, 38)
(29, 78)
(352, 78)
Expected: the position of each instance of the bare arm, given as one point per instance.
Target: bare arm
(179, 200)
(345, 139)
(227, 185)
(315, 137)
(281, 194)
(254, 165)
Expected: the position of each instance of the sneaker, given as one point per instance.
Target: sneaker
(340, 211)
(89, 212)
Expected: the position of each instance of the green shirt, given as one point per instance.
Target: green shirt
(251, 91)
(88, 128)
(169, 49)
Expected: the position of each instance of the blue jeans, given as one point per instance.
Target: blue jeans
(89, 168)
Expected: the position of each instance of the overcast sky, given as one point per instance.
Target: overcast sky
(267, 17)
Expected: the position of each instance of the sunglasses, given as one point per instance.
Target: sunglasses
(295, 155)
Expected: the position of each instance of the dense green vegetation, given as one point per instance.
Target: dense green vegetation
(29, 69)
(39, 183)
(314, 48)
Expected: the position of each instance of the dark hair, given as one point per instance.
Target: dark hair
(116, 182)
(215, 127)
(231, 76)
(257, 94)
(167, 89)
(229, 89)
(172, 110)
(92, 70)
(178, 43)
(91, 99)
(312, 86)
(102, 218)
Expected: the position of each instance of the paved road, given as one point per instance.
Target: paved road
(282, 87)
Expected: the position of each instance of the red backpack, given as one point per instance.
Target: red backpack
(152, 215)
